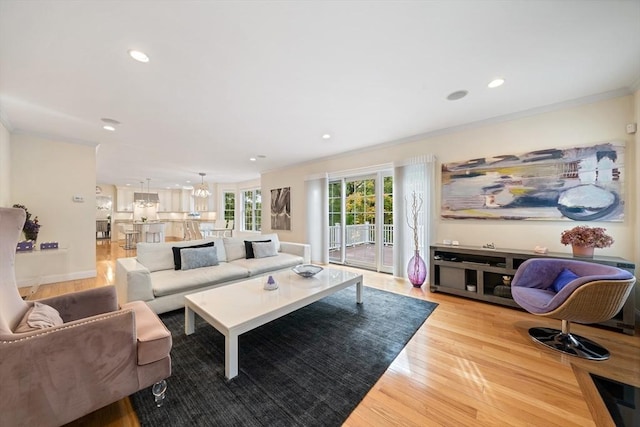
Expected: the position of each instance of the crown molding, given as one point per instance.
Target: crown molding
(635, 86)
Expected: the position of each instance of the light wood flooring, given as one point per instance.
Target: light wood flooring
(470, 364)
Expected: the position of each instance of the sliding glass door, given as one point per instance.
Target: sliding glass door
(361, 221)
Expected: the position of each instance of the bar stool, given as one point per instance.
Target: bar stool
(129, 237)
(154, 230)
(228, 228)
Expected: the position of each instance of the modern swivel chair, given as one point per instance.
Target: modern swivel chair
(593, 293)
(100, 354)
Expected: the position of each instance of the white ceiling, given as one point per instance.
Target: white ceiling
(231, 80)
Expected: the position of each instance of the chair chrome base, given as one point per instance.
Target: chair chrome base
(571, 344)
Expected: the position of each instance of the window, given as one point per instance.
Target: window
(252, 207)
(229, 213)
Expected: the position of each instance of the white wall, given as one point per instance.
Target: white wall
(5, 167)
(45, 175)
(579, 125)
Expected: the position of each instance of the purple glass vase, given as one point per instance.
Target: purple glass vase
(416, 270)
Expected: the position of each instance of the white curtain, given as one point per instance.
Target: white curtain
(317, 190)
(416, 174)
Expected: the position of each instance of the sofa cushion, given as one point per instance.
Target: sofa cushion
(235, 248)
(159, 256)
(248, 247)
(198, 257)
(177, 257)
(257, 266)
(168, 282)
(264, 249)
(154, 339)
(273, 237)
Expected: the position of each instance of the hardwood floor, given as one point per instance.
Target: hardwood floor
(470, 364)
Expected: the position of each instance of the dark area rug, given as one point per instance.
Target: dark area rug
(309, 368)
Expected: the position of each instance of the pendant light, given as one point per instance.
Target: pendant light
(202, 190)
(149, 204)
(140, 201)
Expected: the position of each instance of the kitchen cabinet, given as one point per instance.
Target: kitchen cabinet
(124, 199)
(165, 201)
(175, 200)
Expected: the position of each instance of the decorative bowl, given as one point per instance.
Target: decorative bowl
(307, 270)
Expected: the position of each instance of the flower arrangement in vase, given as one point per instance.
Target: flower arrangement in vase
(31, 226)
(584, 239)
(416, 269)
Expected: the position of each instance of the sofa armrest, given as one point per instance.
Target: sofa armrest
(55, 375)
(133, 281)
(78, 305)
(300, 249)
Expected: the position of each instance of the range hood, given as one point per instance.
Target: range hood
(147, 197)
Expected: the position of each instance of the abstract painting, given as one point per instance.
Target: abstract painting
(579, 184)
(281, 209)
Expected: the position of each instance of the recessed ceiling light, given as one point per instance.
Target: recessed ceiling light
(459, 94)
(326, 136)
(252, 159)
(188, 182)
(496, 82)
(110, 121)
(108, 127)
(128, 185)
(138, 56)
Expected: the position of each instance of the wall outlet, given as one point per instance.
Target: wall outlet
(78, 199)
(632, 128)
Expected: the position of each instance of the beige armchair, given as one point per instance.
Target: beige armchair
(100, 354)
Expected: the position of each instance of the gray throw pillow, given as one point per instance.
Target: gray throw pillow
(198, 257)
(264, 249)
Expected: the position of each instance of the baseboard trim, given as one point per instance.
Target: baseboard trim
(54, 278)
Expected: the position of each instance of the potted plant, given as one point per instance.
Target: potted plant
(31, 227)
(583, 239)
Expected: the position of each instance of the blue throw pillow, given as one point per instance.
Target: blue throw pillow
(563, 279)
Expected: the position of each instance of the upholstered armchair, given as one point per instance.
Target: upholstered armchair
(94, 354)
(572, 291)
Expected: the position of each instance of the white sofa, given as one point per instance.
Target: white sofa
(151, 276)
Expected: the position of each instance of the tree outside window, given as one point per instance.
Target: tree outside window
(252, 207)
(229, 213)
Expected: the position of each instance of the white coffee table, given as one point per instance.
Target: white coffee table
(240, 307)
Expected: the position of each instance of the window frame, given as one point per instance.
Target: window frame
(251, 209)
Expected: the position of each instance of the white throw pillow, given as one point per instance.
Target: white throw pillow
(264, 249)
(234, 248)
(272, 236)
(39, 316)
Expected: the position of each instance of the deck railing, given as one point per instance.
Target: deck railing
(358, 235)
